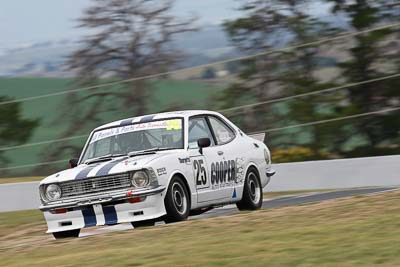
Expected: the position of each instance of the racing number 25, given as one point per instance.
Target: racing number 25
(200, 172)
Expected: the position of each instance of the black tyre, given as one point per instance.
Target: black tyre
(252, 192)
(177, 201)
(67, 234)
(145, 223)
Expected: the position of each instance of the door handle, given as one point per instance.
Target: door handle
(220, 153)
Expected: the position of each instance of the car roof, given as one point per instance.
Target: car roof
(156, 116)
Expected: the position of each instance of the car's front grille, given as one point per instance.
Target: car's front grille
(94, 185)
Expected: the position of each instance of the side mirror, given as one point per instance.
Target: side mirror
(202, 143)
(73, 163)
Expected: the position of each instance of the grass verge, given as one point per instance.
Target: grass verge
(357, 231)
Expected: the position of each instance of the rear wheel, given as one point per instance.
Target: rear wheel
(177, 201)
(252, 192)
(67, 234)
(145, 223)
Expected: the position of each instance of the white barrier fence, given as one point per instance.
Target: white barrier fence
(333, 174)
(324, 174)
(19, 196)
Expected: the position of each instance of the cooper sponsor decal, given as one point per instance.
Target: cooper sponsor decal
(223, 173)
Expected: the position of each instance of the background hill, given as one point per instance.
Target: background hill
(47, 59)
(167, 94)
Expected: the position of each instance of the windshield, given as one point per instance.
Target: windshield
(160, 134)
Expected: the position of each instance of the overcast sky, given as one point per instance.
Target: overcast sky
(23, 22)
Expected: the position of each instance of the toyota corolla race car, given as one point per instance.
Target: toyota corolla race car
(156, 167)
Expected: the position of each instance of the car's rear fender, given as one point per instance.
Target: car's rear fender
(260, 168)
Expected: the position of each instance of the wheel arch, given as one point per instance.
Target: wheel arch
(248, 200)
(250, 165)
(185, 181)
(255, 167)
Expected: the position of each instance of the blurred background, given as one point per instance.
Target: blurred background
(320, 77)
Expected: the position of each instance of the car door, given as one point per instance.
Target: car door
(204, 163)
(226, 170)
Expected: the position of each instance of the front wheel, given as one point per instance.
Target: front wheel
(177, 201)
(252, 192)
(67, 234)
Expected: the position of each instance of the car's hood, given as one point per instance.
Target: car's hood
(116, 165)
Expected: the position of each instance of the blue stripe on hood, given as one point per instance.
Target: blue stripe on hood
(106, 168)
(84, 173)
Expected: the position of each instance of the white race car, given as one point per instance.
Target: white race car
(165, 166)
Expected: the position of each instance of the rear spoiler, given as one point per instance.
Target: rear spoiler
(258, 136)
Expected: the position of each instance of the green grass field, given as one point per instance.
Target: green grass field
(357, 231)
(166, 93)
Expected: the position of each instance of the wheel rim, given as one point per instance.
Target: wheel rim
(254, 188)
(179, 197)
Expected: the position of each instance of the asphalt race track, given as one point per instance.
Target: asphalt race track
(291, 200)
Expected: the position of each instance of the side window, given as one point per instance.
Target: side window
(222, 132)
(198, 128)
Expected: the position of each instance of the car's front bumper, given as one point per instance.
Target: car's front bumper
(100, 198)
(105, 210)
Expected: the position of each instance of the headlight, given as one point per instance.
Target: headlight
(140, 179)
(267, 156)
(53, 192)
